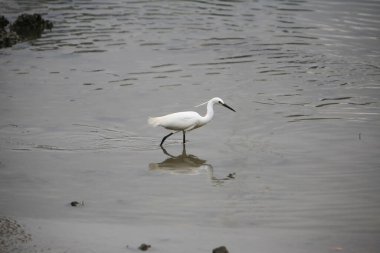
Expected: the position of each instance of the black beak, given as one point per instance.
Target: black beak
(228, 107)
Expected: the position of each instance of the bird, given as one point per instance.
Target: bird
(186, 121)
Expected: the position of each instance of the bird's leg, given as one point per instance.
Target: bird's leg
(184, 138)
(163, 139)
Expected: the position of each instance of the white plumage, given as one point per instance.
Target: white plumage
(177, 121)
(186, 121)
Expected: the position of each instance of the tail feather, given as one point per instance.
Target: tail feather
(154, 121)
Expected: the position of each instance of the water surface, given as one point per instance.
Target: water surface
(295, 169)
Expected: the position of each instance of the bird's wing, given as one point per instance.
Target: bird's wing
(180, 120)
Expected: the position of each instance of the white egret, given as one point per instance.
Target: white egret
(186, 121)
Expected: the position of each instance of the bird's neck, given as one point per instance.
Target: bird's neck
(209, 114)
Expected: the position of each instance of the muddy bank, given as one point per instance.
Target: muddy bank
(26, 27)
(13, 237)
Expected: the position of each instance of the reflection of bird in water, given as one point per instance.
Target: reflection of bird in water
(181, 164)
(187, 165)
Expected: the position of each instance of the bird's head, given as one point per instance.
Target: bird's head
(221, 102)
(216, 100)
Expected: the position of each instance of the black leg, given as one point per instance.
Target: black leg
(184, 138)
(163, 139)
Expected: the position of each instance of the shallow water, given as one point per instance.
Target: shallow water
(295, 169)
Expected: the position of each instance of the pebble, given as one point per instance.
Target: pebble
(76, 203)
(144, 247)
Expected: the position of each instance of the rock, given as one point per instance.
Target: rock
(25, 27)
(76, 203)
(144, 247)
(221, 249)
(29, 26)
(8, 39)
(3, 23)
(231, 175)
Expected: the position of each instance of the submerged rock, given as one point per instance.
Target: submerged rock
(221, 249)
(26, 27)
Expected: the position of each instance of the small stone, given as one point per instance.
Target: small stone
(76, 203)
(232, 175)
(144, 247)
(221, 249)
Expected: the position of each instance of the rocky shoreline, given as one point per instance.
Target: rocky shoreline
(26, 27)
